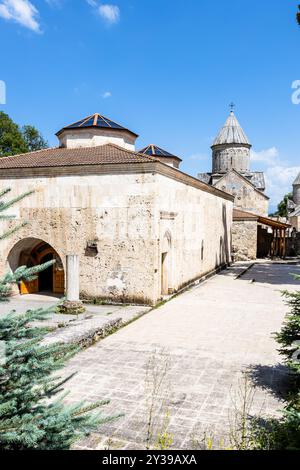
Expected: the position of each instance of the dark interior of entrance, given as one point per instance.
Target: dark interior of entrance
(46, 276)
(50, 280)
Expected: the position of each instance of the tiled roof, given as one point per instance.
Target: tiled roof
(242, 215)
(239, 214)
(231, 133)
(95, 121)
(257, 178)
(155, 151)
(205, 177)
(60, 157)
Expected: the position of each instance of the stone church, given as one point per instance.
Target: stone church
(231, 169)
(253, 233)
(122, 225)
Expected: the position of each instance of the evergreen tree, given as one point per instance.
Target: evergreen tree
(32, 412)
(284, 434)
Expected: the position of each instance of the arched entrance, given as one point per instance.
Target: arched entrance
(166, 265)
(32, 252)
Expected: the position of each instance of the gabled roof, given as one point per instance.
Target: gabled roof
(240, 215)
(41, 162)
(95, 121)
(155, 151)
(244, 178)
(231, 133)
(64, 157)
(297, 180)
(257, 178)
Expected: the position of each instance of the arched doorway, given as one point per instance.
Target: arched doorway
(32, 252)
(166, 265)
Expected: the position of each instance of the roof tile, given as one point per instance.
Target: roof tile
(60, 157)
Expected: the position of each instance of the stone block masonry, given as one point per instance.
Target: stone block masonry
(152, 231)
(244, 240)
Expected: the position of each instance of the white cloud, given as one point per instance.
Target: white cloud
(279, 181)
(107, 94)
(55, 3)
(92, 3)
(198, 157)
(22, 12)
(279, 174)
(269, 156)
(110, 13)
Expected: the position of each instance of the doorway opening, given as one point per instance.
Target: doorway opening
(33, 252)
(166, 266)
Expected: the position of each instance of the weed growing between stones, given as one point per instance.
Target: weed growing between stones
(157, 388)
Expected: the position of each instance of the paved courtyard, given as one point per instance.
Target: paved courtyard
(186, 358)
(200, 343)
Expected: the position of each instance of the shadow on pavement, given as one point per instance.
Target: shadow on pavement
(274, 379)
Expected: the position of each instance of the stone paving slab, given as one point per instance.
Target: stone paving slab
(210, 335)
(97, 320)
(91, 326)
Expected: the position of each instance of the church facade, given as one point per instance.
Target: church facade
(231, 169)
(122, 225)
(231, 172)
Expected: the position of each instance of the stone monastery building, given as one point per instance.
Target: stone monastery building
(122, 225)
(254, 235)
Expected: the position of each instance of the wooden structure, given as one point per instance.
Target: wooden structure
(280, 233)
(253, 238)
(53, 279)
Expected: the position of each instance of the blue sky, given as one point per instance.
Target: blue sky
(167, 69)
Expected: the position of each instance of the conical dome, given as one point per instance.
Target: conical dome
(231, 148)
(231, 133)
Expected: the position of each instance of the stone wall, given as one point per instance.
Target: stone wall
(293, 246)
(93, 137)
(127, 216)
(247, 198)
(198, 226)
(295, 222)
(244, 240)
(226, 158)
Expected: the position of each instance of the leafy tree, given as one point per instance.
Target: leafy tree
(14, 140)
(282, 208)
(298, 15)
(11, 139)
(32, 416)
(33, 139)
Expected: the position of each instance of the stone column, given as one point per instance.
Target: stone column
(72, 304)
(72, 278)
